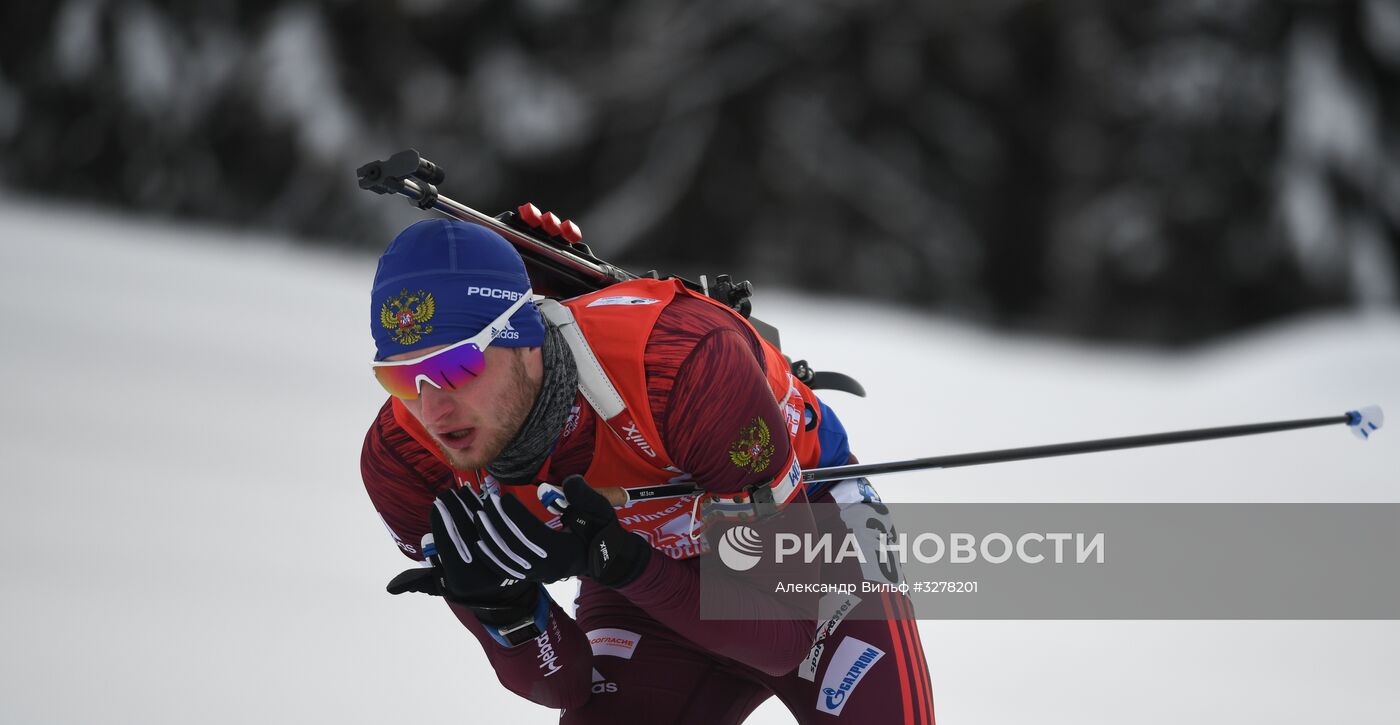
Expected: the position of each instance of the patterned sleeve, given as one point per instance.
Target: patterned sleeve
(711, 401)
(401, 478)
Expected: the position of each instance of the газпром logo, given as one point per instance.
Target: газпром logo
(844, 672)
(740, 548)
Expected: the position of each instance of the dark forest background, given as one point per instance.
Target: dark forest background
(1156, 171)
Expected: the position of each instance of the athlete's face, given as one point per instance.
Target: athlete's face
(473, 423)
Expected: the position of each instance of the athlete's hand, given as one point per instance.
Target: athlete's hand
(518, 545)
(459, 571)
(615, 556)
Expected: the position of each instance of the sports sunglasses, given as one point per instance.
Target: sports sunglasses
(450, 367)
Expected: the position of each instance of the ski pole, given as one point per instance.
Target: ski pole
(1362, 423)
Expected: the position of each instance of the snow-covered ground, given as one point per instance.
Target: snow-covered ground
(185, 538)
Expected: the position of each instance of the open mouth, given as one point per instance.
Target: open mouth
(458, 439)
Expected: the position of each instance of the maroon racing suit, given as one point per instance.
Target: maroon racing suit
(641, 653)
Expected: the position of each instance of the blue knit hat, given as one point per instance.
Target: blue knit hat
(441, 281)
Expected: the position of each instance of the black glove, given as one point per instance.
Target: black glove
(459, 571)
(615, 556)
(518, 545)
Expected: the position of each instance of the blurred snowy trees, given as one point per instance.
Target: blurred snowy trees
(1159, 170)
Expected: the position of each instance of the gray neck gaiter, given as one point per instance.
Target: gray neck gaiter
(524, 455)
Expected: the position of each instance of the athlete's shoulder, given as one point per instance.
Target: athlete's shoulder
(687, 321)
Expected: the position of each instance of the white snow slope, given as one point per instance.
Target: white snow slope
(170, 556)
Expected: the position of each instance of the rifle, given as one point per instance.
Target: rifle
(556, 258)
